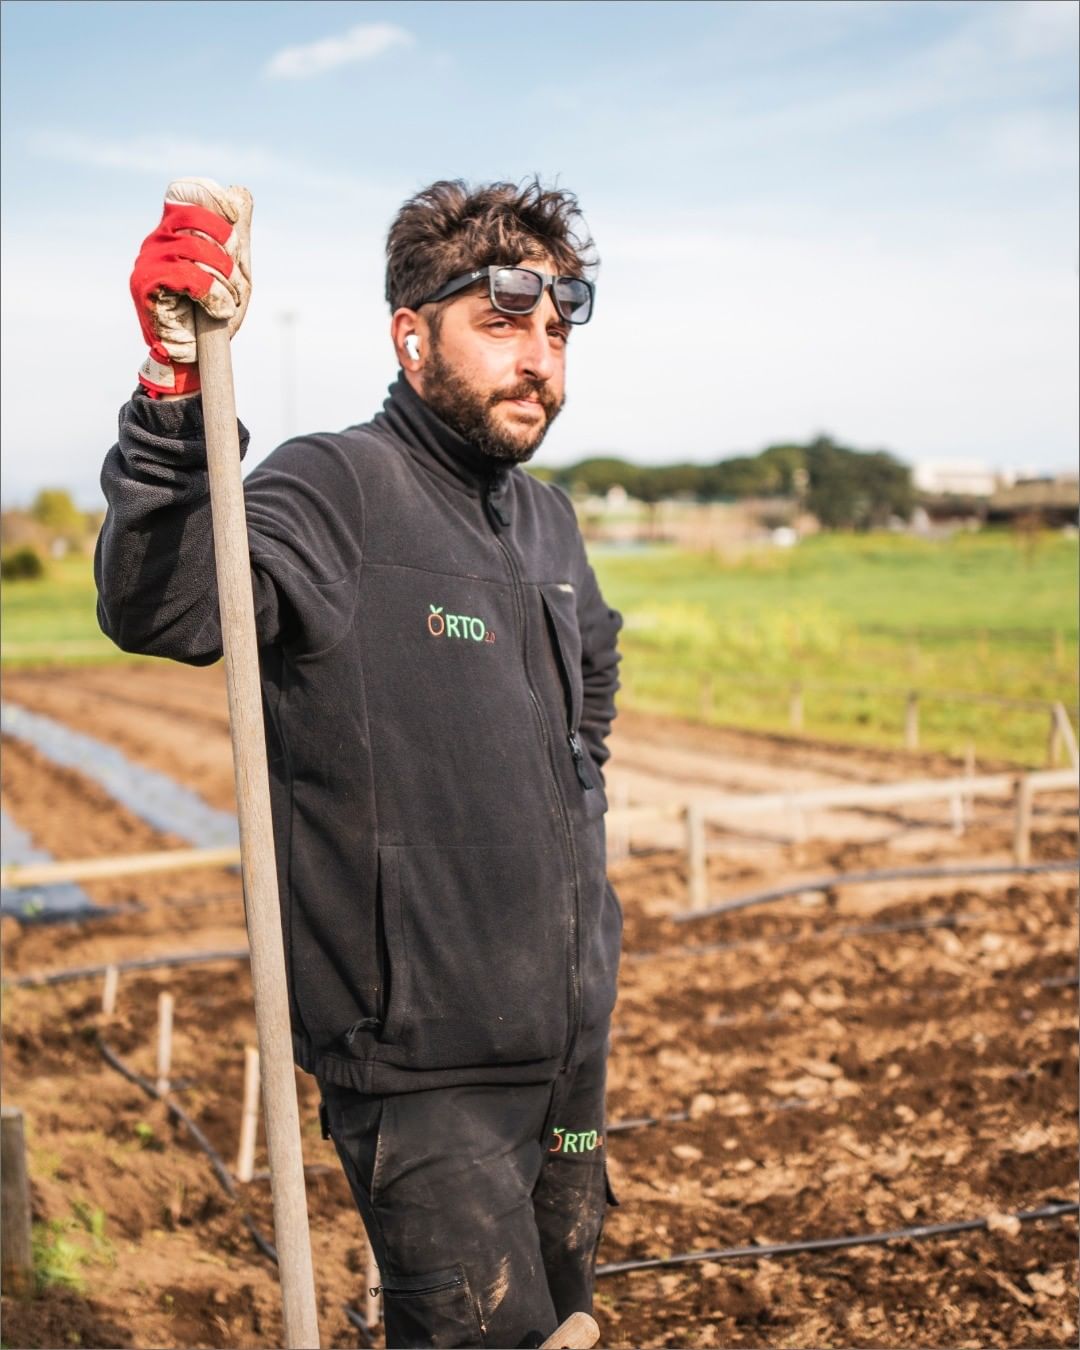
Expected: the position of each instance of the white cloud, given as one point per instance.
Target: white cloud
(166, 157)
(362, 43)
(153, 154)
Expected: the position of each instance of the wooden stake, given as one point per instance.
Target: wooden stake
(262, 909)
(698, 878)
(1066, 734)
(108, 992)
(969, 772)
(373, 1295)
(1053, 742)
(578, 1332)
(795, 707)
(1022, 829)
(164, 1041)
(911, 722)
(249, 1116)
(619, 840)
(17, 1273)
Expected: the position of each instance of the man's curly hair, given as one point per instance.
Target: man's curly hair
(450, 228)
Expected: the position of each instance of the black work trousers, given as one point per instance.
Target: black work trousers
(483, 1204)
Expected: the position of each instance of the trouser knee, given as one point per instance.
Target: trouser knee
(570, 1202)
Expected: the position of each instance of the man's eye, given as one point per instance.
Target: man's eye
(560, 335)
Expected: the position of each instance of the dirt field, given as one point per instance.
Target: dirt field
(836, 1081)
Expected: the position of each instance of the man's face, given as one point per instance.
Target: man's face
(498, 379)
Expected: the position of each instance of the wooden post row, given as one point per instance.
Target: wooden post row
(249, 1116)
(1022, 828)
(17, 1273)
(164, 1045)
(697, 880)
(372, 1296)
(911, 722)
(795, 707)
(1066, 735)
(109, 991)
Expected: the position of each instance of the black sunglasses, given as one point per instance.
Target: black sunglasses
(518, 290)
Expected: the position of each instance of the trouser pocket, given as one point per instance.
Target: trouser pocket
(435, 1309)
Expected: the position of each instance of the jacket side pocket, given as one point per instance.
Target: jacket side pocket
(476, 941)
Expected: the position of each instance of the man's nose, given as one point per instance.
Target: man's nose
(536, 358)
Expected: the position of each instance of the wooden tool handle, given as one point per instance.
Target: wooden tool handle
(578, 1332)
(261, 907)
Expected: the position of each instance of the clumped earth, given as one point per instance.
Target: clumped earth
(842, 1068)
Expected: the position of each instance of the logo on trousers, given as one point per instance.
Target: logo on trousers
(458, 626)
(581, 1141)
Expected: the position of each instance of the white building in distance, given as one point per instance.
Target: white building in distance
(959, 477)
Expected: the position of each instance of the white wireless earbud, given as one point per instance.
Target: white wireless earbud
(412, 345)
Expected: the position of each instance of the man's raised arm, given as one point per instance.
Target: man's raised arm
(154, 563)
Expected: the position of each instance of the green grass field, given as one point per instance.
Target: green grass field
(859, 621)
(987, 613)
(54, 620)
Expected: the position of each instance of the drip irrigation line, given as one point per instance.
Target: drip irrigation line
(643, 1122)
(135, 963)
(836, 879)
(829, 935)
(361, 1326)
(681, 1117)
(177, 1112)
(265, 1246)
(216, 1161)
(917, 1233)
(1062, 981)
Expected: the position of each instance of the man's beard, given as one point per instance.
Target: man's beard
(472, 413)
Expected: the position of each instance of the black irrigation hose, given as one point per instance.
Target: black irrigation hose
(915, 1234)
(177, 1112)
(218, 1164)
(859, 878)
(136, 963)
(361, 1326)
(829, 935)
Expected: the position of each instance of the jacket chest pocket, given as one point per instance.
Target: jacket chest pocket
(560, 607)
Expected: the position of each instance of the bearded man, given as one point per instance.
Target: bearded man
(438, 670)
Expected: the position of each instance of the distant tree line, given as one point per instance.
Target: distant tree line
(52, 527)
(843, 488)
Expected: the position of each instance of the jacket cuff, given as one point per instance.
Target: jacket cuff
(178, 420)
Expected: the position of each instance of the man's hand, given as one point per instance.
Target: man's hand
(200, 252)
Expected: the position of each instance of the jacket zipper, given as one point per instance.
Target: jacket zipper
(579, 759)
(498, 520)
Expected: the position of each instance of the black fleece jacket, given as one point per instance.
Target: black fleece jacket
(438, 673)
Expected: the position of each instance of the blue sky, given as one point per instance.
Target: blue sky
(858, 218)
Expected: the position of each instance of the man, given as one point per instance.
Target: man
(438, 671)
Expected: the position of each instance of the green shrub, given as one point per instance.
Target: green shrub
(22, 564)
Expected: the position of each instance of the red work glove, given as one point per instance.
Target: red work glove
(201, 252)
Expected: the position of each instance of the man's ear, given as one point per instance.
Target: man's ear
(409, 332)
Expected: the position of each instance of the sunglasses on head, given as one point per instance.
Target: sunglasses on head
(518, 290)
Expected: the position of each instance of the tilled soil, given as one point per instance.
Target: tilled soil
(835, 1078)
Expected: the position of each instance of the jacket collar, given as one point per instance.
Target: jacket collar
(438, 446)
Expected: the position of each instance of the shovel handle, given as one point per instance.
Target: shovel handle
(261, 907)
(578, 1332)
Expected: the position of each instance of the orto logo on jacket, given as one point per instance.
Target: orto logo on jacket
(457, 626)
